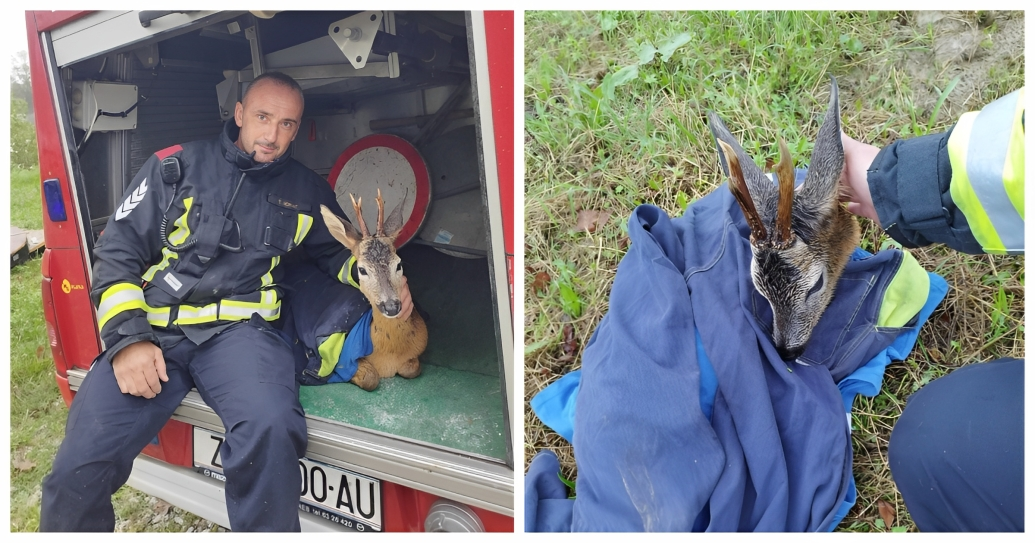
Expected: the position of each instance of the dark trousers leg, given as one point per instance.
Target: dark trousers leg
(957, 451)
(106, 430)
(246, 374)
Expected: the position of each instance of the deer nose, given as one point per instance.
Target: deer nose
(788, 354)
(390, 309)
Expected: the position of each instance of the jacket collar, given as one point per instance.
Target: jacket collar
(244, 162)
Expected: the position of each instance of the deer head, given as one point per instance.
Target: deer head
(801, 237)
(380, 269)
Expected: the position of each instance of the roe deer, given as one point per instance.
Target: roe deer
(397, 342)
(801, 238)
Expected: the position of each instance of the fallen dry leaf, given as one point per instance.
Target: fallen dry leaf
(569, 344)
(23, 465)
(541, 283)
(39, 352)
(162, 508)
(887, 513)
(588, 220)
(936, 355)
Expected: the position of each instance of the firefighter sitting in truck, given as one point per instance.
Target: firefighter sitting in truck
(185, 281)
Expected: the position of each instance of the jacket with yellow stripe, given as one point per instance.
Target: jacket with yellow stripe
(963, 188)
(216, 263)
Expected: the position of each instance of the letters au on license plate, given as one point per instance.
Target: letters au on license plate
(340, 496)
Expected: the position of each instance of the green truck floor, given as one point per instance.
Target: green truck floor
(457, 400)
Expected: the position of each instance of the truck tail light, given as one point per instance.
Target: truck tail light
(55, 203)
(449, 516)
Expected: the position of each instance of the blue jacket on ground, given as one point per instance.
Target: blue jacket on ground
(687, 333)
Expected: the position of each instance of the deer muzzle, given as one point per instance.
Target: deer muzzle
(390, 308)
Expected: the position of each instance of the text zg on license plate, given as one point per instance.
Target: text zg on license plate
(333, 494)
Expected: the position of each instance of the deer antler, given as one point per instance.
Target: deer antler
(739, 189)
(785, 175)
(357, 205)
(380, 214)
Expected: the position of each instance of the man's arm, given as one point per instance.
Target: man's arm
(129, 243)
(963, 188)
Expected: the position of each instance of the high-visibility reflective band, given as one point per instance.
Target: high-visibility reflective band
(305, 222)
(197, 315)
(267, 279)
(329, 351)
(177, 237)
(267, 306)
(158, 316)
(118, 298)
(345, 274)
(987, 183)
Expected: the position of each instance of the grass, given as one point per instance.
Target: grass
(37, 411)
(614, 117)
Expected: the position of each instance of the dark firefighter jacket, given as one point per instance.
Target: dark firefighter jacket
(687, 418)
(218, 263)
(963, 188)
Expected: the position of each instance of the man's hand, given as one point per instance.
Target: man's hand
(140, 369)
(405, 300)
(858, 157)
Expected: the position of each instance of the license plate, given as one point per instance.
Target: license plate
(340, 496)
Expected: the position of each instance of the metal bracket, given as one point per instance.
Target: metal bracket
(258, 61)
(355, 36)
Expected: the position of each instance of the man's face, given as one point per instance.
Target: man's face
(269, 120)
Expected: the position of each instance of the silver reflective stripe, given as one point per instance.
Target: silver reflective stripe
(158, 316)
(130, 294)
(194, 315)
(231, 312)
(986, 157)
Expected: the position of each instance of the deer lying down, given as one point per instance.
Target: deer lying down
(397, 342)
(800, 238)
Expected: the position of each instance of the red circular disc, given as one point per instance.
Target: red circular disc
(392, 164)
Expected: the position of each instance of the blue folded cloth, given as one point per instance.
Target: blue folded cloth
(669, 438)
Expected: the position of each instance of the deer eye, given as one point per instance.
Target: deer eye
(817, 287)
(362, 270)
(399, 267)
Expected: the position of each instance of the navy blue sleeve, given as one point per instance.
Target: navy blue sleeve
(909, 183)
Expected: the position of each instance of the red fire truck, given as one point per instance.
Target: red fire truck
(426, 97)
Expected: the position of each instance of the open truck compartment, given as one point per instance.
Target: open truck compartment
(132, 86)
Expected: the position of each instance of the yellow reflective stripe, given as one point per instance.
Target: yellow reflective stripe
(905, 295)
(986, 184)
(197, 315)
(305, 222)
(182, 231)
(1013, 169)
(167, 255)
(177, 237)
(962, 192)
(118, 298)
(268, 307)
(158, 316)
(329, 351)
(267, 279)
(345, 274)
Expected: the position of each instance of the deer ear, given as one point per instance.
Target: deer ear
(341, 229)
(828, 156)
(754, 178)
(394, 222)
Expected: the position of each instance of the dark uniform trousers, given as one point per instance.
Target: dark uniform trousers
(246, 374)
(957, 451)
